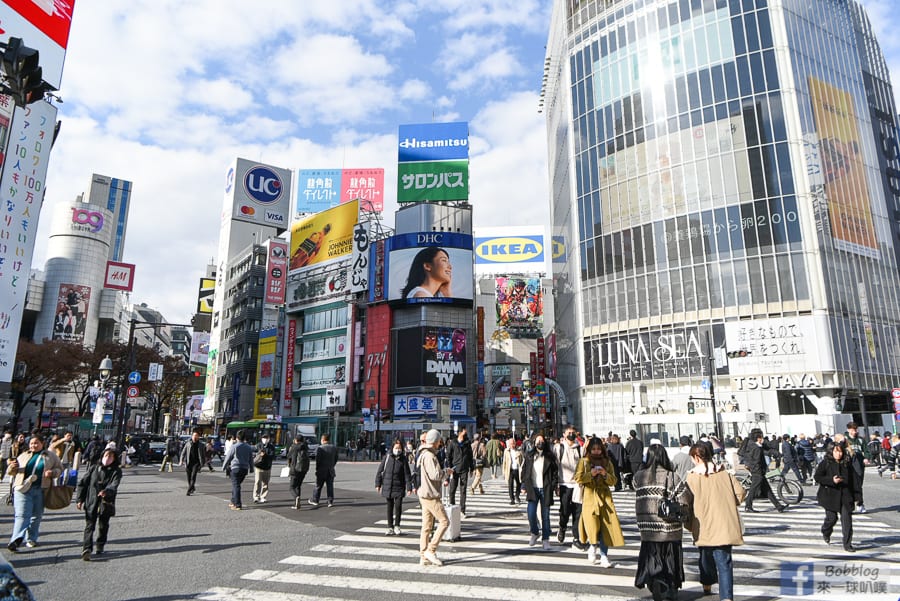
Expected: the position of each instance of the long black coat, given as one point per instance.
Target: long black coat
(99, 477)
(394, 477)
(832, 496)
(550, 475)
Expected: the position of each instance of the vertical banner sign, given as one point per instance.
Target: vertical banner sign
(276, 272)
(533, 368)
(359, 266)
(541, 358)
(21, 197)
(290, 343)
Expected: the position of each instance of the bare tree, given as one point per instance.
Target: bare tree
(50, 367)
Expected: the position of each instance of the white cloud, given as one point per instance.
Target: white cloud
(166, 93)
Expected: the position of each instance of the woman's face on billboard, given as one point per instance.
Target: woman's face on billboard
(440, 269)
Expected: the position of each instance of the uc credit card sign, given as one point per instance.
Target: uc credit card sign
(433, 142)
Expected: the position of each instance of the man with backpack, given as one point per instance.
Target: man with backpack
(568, 454)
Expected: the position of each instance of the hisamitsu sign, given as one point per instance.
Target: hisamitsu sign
(433, 142)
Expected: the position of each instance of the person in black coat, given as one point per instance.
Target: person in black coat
(838, 491)
(394, 481)
(540, 458)
(460, 462)
(298, 464)
(754, 457)
(634, 457)
(96, 494)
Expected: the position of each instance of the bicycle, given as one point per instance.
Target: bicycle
(789, 492)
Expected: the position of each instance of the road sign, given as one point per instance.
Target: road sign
(895, 393)
(704, 383)
(133, 391)
(134, 377)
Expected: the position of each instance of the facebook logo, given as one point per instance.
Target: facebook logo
(797, 579)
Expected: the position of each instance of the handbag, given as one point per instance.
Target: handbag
(285, 472)
(259, 459)
(669, 507)
(57, 496)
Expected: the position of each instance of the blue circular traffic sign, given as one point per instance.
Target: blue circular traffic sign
(134, 377)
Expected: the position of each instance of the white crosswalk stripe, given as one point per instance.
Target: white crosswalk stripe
(493, 558)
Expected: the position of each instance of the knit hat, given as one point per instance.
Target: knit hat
(110, 447)
(654, 441)
(432, 437)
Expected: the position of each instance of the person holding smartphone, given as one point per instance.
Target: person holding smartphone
(839, 489)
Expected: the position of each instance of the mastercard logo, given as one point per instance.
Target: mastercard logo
(245, 210)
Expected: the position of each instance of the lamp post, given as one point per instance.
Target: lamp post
(862, 399)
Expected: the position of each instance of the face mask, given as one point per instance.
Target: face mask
(539, 446)
(108, 460)
(571, 436)
(396, 452)
(265, 441)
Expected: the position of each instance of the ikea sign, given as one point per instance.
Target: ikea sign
(509, 249)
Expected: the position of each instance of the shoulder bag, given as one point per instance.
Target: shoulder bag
(669, 507)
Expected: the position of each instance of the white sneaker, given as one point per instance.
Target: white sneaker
(432, 558)
(546, 545)
(533, 540)
(604, 561)
(397, 531)
(861, 508)
(592, 554)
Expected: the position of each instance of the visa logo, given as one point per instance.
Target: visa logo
(272, 217)
(510, 250)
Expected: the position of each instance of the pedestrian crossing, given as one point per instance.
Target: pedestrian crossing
(493, 559)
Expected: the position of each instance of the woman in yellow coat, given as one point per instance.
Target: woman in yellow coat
(599, 523)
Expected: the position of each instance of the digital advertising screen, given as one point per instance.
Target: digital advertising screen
(430, 267)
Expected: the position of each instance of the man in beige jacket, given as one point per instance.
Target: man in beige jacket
(431, 477)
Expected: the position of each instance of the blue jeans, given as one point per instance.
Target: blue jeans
(545, 515)
(715, 560)
(29, 509)
(237, 478)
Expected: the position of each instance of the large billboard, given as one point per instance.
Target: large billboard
(321, 189)
(43, 25)
(430, 267)
(200, 348)
(520, 302)
(323, 237)
(313, 285)
(259, 193)
(21, 195)
(841, 152)
(205, 295)
(510, 251)
(72, 305)
(433, 162)
(266, 403)
(432, 356)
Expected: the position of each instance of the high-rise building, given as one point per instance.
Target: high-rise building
(725, 199)
(115, 195)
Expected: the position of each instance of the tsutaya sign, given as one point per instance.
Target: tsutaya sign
(776, 382)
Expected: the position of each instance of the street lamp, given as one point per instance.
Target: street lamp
(106, 367)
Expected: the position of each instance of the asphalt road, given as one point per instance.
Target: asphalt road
(164, 545)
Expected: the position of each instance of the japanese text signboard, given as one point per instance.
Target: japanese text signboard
(21, 197)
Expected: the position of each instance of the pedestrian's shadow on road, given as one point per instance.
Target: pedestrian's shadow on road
(764, 530)
(883, 509)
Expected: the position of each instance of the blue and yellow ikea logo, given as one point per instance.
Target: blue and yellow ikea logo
(509, 249)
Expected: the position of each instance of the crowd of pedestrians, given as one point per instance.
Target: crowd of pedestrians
(692, 488)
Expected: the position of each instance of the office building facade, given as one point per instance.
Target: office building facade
(724, 200)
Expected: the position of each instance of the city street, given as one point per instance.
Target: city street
(167, 546)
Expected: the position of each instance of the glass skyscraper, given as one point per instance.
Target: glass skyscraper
(725, 204)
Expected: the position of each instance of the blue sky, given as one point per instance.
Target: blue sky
(166, 93)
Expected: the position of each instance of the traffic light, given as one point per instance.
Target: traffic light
(24, 76)
(690, 407)
(738, 354)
